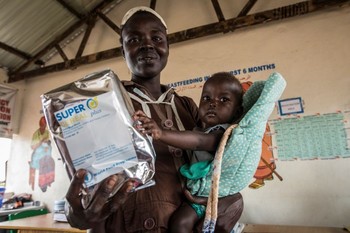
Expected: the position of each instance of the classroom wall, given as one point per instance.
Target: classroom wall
(312, 52)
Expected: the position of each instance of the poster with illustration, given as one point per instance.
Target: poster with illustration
(41, 165)
(267, 165)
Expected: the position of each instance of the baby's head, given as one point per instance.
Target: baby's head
(221, 100)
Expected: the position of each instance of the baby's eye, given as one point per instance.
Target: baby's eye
(206, 98)
(224, 99)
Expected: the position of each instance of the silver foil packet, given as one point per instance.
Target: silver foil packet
(91, 125)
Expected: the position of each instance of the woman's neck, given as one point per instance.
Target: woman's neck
(152, 86)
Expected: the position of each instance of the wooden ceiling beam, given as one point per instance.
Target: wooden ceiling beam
(15, 51)
(153, 4)
(108, 22)
(247, 8)
(91, 24)
(280, 13)
(218, 10)
(61, 52)
(70, 64)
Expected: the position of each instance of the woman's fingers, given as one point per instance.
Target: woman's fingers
(99, 206)
(120, 197)
(73, 195)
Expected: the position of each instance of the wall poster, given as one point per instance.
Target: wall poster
(41, 164)
(320, 136)
(7, 104)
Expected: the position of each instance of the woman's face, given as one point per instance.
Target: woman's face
(145, 45)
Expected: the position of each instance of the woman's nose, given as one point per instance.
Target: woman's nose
(146, 44)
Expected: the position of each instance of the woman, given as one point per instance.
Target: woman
(145, 48)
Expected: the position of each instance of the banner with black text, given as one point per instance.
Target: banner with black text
(7, 104)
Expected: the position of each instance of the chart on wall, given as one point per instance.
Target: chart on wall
(319, 136)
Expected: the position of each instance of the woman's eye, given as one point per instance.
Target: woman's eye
(133, 40)
(157, 38)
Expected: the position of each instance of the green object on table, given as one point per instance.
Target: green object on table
(26, 214)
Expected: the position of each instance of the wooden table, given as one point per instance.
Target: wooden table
(39, 224)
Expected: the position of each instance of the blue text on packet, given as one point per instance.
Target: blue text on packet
(70, 112)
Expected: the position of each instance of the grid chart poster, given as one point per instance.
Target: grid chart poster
(323, 136)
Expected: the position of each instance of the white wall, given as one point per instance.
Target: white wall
(311, 51)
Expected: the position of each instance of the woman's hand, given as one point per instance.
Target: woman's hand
(101, 205)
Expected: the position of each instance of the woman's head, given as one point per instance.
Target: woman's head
(144, 42)
(221, 100)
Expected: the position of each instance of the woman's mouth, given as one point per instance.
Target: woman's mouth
(147, 58)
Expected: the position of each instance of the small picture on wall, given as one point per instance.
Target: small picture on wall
(290, 106)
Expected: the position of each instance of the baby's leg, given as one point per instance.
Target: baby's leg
(183, 219)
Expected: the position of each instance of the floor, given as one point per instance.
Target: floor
(291, 229)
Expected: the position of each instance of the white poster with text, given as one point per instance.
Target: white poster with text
(7, 105)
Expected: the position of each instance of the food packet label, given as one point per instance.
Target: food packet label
(97, 118)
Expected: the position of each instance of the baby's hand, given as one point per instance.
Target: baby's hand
(148, 126)
(137, 122)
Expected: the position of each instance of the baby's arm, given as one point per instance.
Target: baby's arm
(188, 140)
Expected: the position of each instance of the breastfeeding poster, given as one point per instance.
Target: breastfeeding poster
(7, 104)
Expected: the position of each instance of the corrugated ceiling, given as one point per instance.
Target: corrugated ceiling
(29, 25)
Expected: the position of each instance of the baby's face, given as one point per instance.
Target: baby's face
(218, 104)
